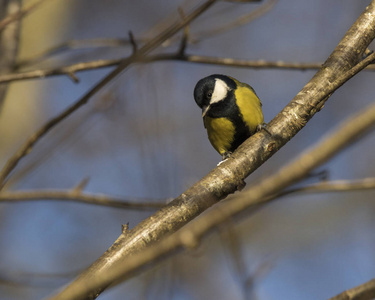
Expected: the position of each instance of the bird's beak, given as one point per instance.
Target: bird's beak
(205, 110)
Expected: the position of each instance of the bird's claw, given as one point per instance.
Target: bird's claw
(264, 127)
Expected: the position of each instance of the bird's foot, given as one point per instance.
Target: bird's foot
(264, 127)
(226, 155)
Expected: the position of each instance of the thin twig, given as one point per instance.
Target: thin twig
(243, 63)
(80, 197)
(222, 61)
(245, 19)
(226, 62)
(77, 195)
(336, 186)
(9, 43)
(152, 44)
(74, 68)
(185, 35)
(133, 41)
(20, 14)
(232, 244)
(108, 42)
(74, 45)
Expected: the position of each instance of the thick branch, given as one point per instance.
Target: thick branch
(190, 235)
(364, 291)
(225, 179)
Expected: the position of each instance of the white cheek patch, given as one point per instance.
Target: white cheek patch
(220, 91)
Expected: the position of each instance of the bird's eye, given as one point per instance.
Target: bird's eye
(209, 94)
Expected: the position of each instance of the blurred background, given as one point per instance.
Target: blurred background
(142, 137)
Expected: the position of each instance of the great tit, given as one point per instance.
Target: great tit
(231, 111)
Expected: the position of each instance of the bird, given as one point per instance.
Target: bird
(231, 111)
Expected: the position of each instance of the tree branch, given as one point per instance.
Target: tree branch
(225, 179)
(73, 195)
(232, 244)
(19, 14)
(78, 196)
(260, 193)
(151, 45)
(243, 20)
(75, 44)
(111, 42)
(364, 291)
(9, 41)
(336, 186)
(222, 61)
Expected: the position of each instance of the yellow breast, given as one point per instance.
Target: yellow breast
(249, 105)
(220, 133)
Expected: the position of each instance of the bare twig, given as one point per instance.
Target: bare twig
(20, 14)
(223, 61)
(185, 35)
(133, 42)
(364, 291)
(225, 179)
(9, 42)
(336, 186)
(80, 197)
(74, 44)
(152, 44)
(74, 68)
(245, 19)
(89, 43)
(77, 195)
(232, 244)
(190, 235)
(242, 63)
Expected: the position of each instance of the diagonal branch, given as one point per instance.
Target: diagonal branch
(225, 179)
(151, 45)
(19, 14)
(190, 235)
(364, 291)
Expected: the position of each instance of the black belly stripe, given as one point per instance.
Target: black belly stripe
(228, 108)
(242, 130)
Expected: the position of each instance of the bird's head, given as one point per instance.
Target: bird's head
(213, 93)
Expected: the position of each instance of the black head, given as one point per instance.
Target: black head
(213, 94)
